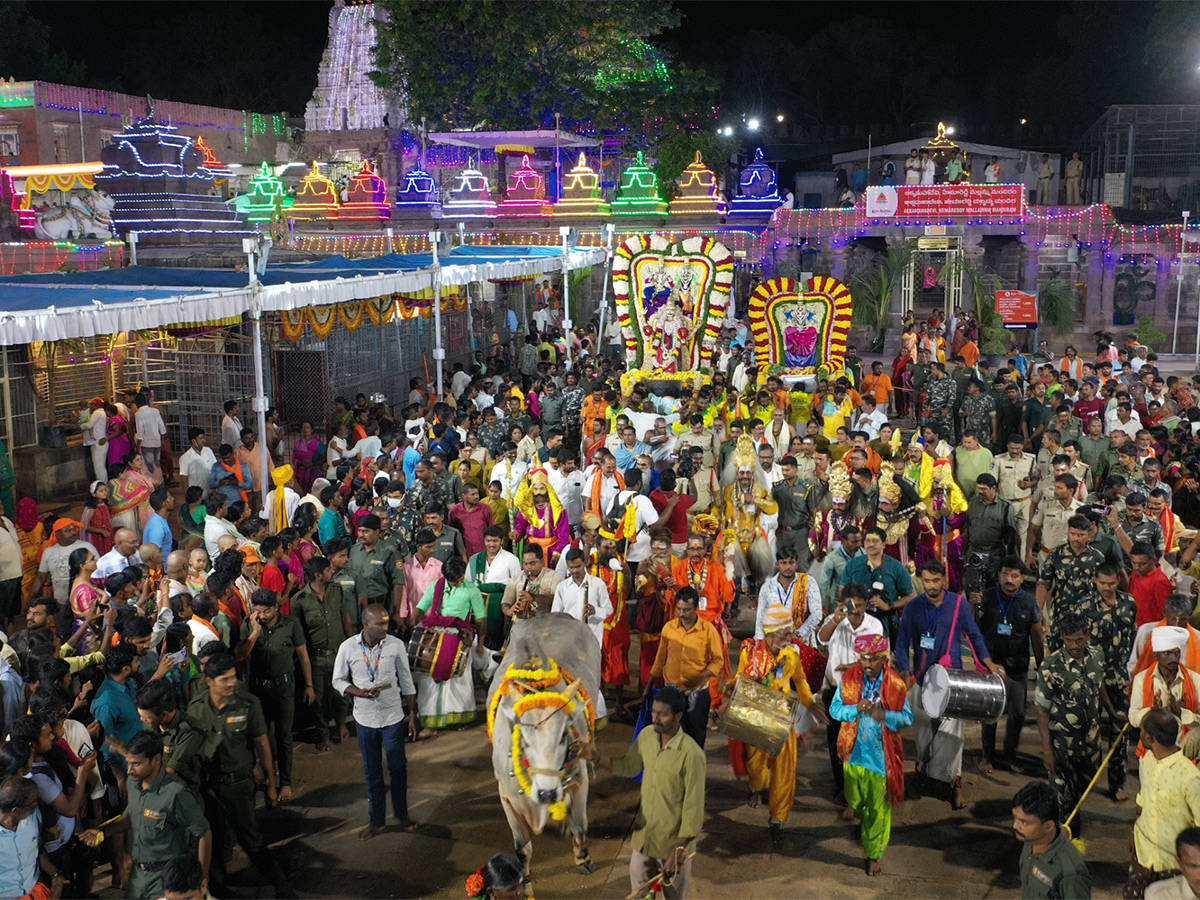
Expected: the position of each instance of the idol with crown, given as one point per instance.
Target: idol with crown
(745, 544)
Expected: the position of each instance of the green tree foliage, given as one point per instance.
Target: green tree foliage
(514, 65)
(25, 50)
(676, 151)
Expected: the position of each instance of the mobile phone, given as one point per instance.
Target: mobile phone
(178, 657)
(85, 751)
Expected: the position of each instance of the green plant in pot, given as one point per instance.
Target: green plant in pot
(874, 284)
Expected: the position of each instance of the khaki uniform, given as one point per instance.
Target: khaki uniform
(1008, 473)
(324, 631)
(165, 821)
(1052, 518)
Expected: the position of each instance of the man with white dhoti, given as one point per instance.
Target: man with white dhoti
(932, 628)
(585, 598)
(455, 604)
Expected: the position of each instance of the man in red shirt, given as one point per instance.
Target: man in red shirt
(1148, 584)
(471, 517)
(1089, 406)
(272, 551)
(672, 508)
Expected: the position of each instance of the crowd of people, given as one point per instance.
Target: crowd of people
(166, 645)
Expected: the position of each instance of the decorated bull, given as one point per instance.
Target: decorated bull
(84, 215)
(540, 712)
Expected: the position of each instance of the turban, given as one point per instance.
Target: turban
(59, 525)
(917, 441)
(706, 524)
(279, 516)
(870, 644)
(777, 618)
(1168, 637)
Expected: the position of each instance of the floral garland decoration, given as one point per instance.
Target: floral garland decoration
(475, 888)
(558, 810)
(694, 380)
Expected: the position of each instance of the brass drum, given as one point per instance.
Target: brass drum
(759, 716)
(959, 694)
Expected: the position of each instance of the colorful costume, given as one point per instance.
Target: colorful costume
(745, 545)
(872, 752)
(544, 524)
(651, 578)
(828, 524)
(716, 594)
(940, 531)
(898, 522)
(129, 500)
(919, 474)
(614, 651)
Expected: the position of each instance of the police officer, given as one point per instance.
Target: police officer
(1016, 476)
(183, 745)
(379, 566)
(792, 496)
(325, 614)
(345, 575)
(274, 643)
(1051, 866)
(233, 725)
(163, 815)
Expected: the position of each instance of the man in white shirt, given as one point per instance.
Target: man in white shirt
(991, 172)
(508, 471)
(195, 466)
(149, 429)
(93, 434)
(372, 668)
(459, 381)
(638, 548)
(871, 421)
(120, 557)
(231, 425)
(370, 446)
(610, 485)
(54, 561)
(1123, 418)
(790, 589)
(291, 499)
(572, 493)
(582, 596)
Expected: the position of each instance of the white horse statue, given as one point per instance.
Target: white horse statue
(87, 214)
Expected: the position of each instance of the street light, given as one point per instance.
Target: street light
(950, 129)
(779, 118)
(1024, 121)
(727, 131)
(752, 124)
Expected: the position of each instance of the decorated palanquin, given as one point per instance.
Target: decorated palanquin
(672, 299)
(800, 331)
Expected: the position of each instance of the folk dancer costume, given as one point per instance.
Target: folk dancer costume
(782, 671)
(541, 518)
(455, 608)
(746, 547)
(872, 752)
(898, 511)
(610, 568)
(716, 595)
(828, 524)
(940, 530)
(919, 473)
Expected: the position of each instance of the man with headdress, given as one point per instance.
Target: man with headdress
(279, 515)
(746, 548)
(872, 704)
(940, 530)
(918, 467)
(1167, 684)
(828, 524)
(541, 518)
(716, 592)
(774, 661)
(1177, 612)
(898, 509)
(609, 566)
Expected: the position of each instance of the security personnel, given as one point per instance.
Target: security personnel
(990, 526)
(1016, 476)
(183, 745)
(274, 643)
(163, 815)
(235, 729)
(345, 575)
(792, 496)
(326, 615)
(380, 566)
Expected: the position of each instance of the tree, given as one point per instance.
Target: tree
(25, 50)
(514, 65)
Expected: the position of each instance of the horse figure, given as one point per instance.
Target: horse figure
(540, 712)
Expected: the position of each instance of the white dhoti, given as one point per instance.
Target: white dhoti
(445, 704)
(100, 461)
(939, 742)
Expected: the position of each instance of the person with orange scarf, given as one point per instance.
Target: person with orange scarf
(700, 571)
(774, 661)
(603, 486)
(1166, 684)
(1177, 613)
(609, 566)
(872, 705)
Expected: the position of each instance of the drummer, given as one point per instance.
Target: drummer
(774, 660)
(932, 627)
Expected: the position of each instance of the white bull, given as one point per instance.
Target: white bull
(547, 717)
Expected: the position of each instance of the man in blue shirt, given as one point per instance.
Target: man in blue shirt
(932, 627)
(115, 706)
(157, 529)
(20, 836)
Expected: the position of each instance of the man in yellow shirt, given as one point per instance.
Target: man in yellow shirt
(836, 411)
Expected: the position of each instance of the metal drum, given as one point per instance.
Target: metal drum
(437, 652)
(759, 716)
(959, 694)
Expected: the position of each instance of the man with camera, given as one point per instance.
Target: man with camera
(991, 532)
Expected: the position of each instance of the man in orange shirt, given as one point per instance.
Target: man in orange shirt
(594, 407)
(698, 570)
(879, 385)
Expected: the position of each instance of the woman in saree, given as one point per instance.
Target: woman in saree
(84, 595)
(32, 534)
(129, 494)
(116, 436)
(308, 455)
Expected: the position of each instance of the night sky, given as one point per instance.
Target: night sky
(263, 56)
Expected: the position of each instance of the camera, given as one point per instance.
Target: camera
(979, 571)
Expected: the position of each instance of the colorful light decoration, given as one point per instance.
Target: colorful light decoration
(418, 189)
(638, 194)
(758, 191)
(266, 196)
(471, 197)
(698, 194)
(214, 165)
(581, 193)
(525, 196)
(317, 198)
(367, 196)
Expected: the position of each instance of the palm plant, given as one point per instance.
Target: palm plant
(874, 284)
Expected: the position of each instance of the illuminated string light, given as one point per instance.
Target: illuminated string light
(367, 196)
(418, 189)
(317, 198)
(758, 191)
(638, 194)
(471, 197)
(525, 196)
(581, 192)
(698, 194)
(265, 196)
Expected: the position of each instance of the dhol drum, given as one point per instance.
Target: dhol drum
(959, 694)
(759, 716)
(437, 652)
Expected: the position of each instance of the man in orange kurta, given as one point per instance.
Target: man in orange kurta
(699, 570)
(594, 407)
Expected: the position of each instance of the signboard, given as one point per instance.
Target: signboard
(941, 200)
(1017, 309)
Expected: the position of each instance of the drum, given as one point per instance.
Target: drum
(759, 716)
(959, 694)
(437, 652)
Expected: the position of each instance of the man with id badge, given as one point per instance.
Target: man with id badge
(1011, 622)
(372, 667)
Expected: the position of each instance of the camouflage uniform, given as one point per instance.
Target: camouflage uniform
(979, 412)
(942, 393)
(1068, 577)
(1113, 630)
(1069, 692)
(492, 436)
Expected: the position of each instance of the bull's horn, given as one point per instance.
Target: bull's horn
(572, 689)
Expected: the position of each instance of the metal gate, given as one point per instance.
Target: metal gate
(934, 280)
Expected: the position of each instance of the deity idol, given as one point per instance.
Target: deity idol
(672, 333)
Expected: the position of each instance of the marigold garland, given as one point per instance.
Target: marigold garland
(532, 681)
(558, 810)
